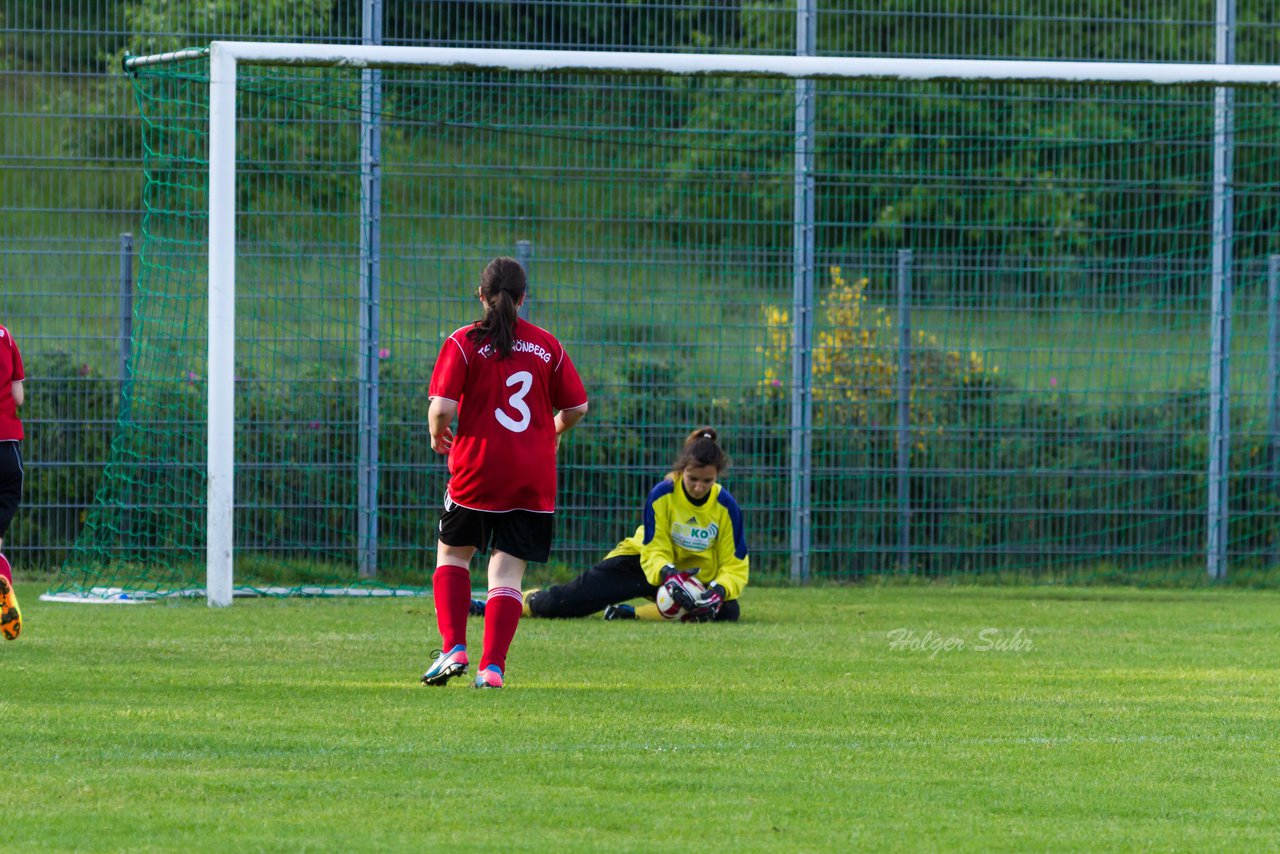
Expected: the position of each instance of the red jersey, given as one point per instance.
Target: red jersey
(10, 372)
(504, 450)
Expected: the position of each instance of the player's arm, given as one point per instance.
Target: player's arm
(440, 416)
(566, 419)
(448, 379)
(19, 393)
(731, 549)
(733, 570)
(566, 390)
(656, 550)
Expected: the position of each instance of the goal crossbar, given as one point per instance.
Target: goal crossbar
(721, 65)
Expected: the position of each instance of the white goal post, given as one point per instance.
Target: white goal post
(225, 57)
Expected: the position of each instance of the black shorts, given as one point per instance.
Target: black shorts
(519, 533)
(10, 483)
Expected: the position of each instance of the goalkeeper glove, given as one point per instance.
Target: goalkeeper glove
(674, 585)
(670, 571)
(707, 604)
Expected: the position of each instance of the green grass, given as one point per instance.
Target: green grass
(1136, 720)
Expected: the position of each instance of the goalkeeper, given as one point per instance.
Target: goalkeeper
(692, 526)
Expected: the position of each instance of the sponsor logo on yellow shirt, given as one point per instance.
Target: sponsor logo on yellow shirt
(692, 537)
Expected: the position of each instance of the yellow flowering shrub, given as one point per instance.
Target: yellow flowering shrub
(855, 362)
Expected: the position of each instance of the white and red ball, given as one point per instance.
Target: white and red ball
(669, 608)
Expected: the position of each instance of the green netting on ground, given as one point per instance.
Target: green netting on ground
(1056, 363)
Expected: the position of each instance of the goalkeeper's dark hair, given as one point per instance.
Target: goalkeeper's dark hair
(502, 284)
(702, 448)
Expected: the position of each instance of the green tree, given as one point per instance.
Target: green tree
(156, 27)
(40, 35)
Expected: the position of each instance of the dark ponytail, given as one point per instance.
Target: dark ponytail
(502, 284)
(701, 448)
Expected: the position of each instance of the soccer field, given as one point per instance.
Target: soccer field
(892, 718)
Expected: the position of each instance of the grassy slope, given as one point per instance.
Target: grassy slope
(64, 244)
(1136, 720)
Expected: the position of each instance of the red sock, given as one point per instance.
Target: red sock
(451, 589)
(6, 570)
(501, 616)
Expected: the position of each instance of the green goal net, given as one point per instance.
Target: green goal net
(1002, 300)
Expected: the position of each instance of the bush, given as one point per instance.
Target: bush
(998, 480)
(69, 418)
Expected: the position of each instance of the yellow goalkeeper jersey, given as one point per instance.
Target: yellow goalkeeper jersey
(705, 537)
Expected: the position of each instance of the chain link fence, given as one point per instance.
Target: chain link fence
(71, 165)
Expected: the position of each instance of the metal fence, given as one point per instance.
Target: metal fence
(70, 158)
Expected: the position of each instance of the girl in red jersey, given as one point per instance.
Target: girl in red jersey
(504, 379)
(11, 397)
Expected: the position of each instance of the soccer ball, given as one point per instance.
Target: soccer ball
(669, 608)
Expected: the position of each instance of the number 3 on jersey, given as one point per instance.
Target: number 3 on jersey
(524, 379)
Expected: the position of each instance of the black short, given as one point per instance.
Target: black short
(519, 533)
(10, 483)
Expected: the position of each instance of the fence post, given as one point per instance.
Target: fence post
(370, 284)
(1273, 387)
(803, 261)
(126, 306)
(904, 409)
(1219, 475)
(524, 255)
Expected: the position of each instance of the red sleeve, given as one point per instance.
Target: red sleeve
(567, 391)
(449, 376)
(18, 373)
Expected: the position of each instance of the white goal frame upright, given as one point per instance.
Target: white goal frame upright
(225, 57)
